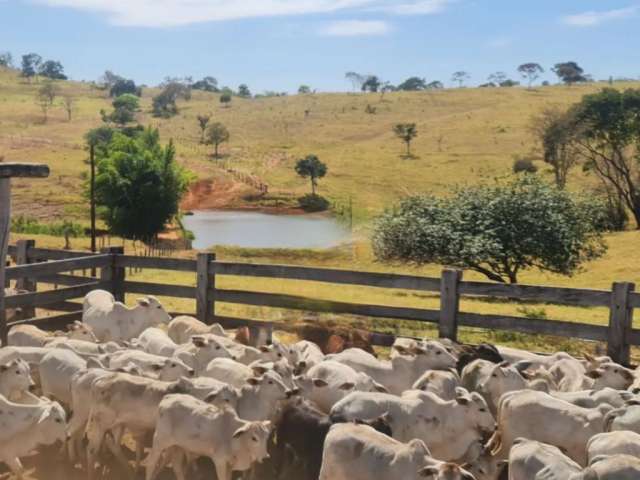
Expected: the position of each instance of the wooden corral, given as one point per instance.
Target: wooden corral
(49, 266)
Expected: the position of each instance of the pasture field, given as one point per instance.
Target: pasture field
(465, 136)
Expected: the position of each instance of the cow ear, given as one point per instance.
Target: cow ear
(347, 386)
(211, 397)
(594, 373)
(241, 430)
(143, 302)
(319, 382)
(463, 399)
(265, 349)
(588, 357)
(259, 369)
(380, 388)
(418, 351)
(4, 368)
(157, 366)
(253, 381)
(199, 341)
(428, 472)
(400, 349)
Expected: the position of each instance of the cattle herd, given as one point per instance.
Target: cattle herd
(172, 391)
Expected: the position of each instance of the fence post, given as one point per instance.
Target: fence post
(620, 321)
(449, 304)
(205, 288)
(28, 284)
(114, 274)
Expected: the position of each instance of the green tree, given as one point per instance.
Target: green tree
(496, 230)
(207, 84)
(460, 77)
(356, 80)
(304, 90)
(46, 96)
(225, 99)
(406, 132)
(216, 135)
(30, 64)
(164, 104)
(125, 107)
(243, 91)
(569, 72)
(413, 84)
(497, 78)
(530, 71)
(68, 102)
(6, 59)
(203, 121)
(607, 133)
(121, 86)
(97, 141)
(435, 85)
(311, 167)
(371, 84)
(52, 69)
(139, 185)
(554, 130)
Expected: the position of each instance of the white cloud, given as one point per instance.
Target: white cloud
(356, 28)
(593, 18)
(167, 13)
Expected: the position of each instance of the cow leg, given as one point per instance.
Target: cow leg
(15, 465)
(117, 452)
(178, 464)
(151, 462)
(223, 469)
(95, 436)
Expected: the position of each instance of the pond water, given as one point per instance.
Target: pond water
(263, 230)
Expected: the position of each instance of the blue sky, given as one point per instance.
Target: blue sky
(280, 44)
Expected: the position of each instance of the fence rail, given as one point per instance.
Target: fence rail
(49, 267)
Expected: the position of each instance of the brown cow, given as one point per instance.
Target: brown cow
(335, 339)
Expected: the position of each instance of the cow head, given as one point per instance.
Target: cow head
(172, 369)
(81, 331)
(445, 471)
(611, 375)
(429, 355)
(484, 465)
(15, 376)
(225, 395)
(502, 378)
(476, 411)
(52, 423)
(249, 444)
(154, 312)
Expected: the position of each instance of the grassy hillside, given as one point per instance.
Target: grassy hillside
(465, 136)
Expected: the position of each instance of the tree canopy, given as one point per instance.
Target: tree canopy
(371, 84)
(207, 84)
(216, 135)
(52, 69)
(311, 167)
(6, 59)
(569, 72)
(496, 230)
(120, 86)
(243, 91)
(139, 185)
(530, 71)
(413, 84)
(406, 132)
(30, 64)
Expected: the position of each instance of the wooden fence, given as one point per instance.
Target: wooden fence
(48, 266)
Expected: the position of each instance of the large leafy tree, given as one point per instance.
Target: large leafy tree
(496, 230)
(413, 84)
(569, 72)
(139, 185)
(530, 71)
(207, 84)
(52, 69)
(30, 64)
(216, 135)
(311, 167)
(607, 132)
(460, 77)
(6, 59)
(406, 132)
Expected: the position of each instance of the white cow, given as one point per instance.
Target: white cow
(25, 427)
(358, 452)
(613, 443)
(615, 467)
(198, 428)
(625, 418)
(111, 320)
(572, 375)
(492, 380)
(305, 354)
(594, 398)
(533, 460)
(32, 336)
(163, 368)
(155, 341)
(441, 382)
(15, 378)
(56, 371)
(84, 348)
(449, 428)
(201, 351)
(539, 416)
(328, 382)
(229, 371)
(402, 371)
(182, 327)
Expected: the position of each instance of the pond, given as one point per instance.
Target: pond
(264, 230)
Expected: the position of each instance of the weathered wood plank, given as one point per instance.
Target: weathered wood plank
(5, 224)
(40, 299)
(146, 288)
(113, 273)
(26, 283)
(205, 285)
(568, 296)
(65, 306)
(533, 326)
(449, 304)
(329, 275)
(43, 254)
(158, 263)
(634, 300)
(620, 322)
(53, 322)
(48, 268)
(33, 170)
(66, 280)
(315, 305)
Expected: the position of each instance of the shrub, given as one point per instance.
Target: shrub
(313, 203)
(30, 225)
(524, 164)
